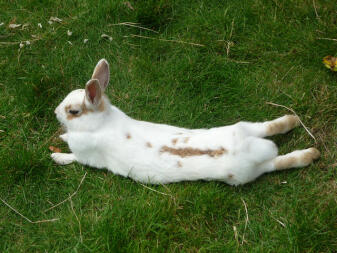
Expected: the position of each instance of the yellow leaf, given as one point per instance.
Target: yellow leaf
(330, 62)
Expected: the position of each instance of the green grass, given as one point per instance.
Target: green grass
(275, 55)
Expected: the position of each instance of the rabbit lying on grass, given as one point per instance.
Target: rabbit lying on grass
(102, 136)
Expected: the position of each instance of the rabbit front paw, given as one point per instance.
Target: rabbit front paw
(64, 137)
(63, 158)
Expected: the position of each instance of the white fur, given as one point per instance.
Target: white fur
(131, 148)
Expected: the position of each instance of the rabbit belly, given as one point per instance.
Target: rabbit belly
(222, 154)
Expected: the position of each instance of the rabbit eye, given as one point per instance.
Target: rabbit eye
(74, 112)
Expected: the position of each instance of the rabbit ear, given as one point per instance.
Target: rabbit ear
(93, 92)
(102, 73)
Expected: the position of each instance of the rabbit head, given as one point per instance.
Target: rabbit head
(84, 109)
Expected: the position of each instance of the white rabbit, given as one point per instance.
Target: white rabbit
(102, 136)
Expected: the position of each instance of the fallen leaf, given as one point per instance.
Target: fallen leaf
(1, 24)
(106, 36)
(39, 25)
(69, 33)
(54, 149)
(55, 19)
(330, 62)
(85, 41)
(13, 26)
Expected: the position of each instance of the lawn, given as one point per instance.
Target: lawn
(194, 64)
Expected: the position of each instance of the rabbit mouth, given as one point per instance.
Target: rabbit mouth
(63, 125)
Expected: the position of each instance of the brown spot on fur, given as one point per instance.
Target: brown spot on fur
(149, 145)
(184, 152)
(100, 107)
(186, 139)
(230, 176)
(282, 126)
(128, 136)
(174, 141)
(179, 164)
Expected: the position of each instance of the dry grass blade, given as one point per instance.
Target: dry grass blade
(246, 222)
(29, 220)
(236, 234)
(175, 41)
(72, 195)
(162, 193)
(280, 222)
(327, 39)
(270, 103)
(314, 4)
(16, 42)
(133, 25)
(79, 223)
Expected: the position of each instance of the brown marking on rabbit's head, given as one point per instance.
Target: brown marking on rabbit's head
(174, 141)
(86, 101)
(76, 111)
(184, 152)
(128, 136)
(148, 144)
(101, 106)
(186, 139)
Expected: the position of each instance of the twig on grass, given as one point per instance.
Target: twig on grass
(16, 42)
(270, 103)
(236, 61)
(72, 195)
(327, 39)
(175, 41)
(133, 25)
(29, 220)
(246, 222)
(281, 223)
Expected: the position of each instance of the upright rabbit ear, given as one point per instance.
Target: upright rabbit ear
(102, 73)
(93, 92)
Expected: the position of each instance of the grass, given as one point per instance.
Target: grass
(253, 52)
